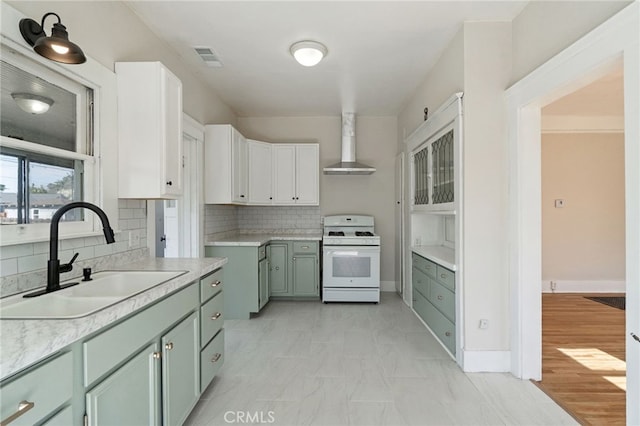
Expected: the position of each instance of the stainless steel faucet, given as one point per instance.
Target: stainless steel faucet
(53, 266)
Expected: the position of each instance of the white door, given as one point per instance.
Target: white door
(399, 239)
(171, 229)
(307, 170)
(284, 174)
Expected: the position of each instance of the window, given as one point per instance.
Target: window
(46, 154)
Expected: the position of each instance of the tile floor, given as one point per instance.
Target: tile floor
(307, 363)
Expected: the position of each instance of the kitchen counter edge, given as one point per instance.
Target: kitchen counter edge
(256, 240)
(22, 340)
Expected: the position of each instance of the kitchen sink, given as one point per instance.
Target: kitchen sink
(105, 289)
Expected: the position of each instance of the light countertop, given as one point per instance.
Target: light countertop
(258, 239)
(25, 342)
(441, 255)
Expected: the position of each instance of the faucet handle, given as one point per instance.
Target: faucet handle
(68, 266)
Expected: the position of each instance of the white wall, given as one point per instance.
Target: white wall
(545, 28)
(585, 240)
(376, 146)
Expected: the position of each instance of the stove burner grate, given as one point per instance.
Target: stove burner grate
(336, 234)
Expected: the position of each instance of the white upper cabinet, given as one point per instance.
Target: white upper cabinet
(149, 131)
(225, 160)
(296, 174)
(259, 155)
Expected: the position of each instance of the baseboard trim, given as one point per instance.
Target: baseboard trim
(486, 361)
(566, 286)
(388, 286)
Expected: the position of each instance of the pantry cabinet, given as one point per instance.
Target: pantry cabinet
(149, 131)
(226, 165)
(296, 174)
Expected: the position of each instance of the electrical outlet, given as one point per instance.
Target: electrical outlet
(483, 324)
(134, 239)
(553, 286)
(559, 203)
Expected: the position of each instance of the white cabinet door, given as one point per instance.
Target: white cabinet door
(307, 174)
(239, 165)
(284, 173)
(149, 131)
(259, 172)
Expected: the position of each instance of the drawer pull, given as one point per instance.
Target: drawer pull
(216, 357)
(216, 316)
(448, 333)
(216, 283)
(305, 247)
(443, 275)
(169, 346)
(157, 355)
(439, 297)
(23, 407)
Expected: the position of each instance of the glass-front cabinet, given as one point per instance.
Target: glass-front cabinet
(434, 171)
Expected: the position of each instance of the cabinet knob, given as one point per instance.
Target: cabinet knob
(271, 198)
(216, 283)
(216, 357)
(297, 198)
(170, 183)
(157, 355)
(169, 346)
(216, 316)
(443, 275)
(448, 333)
(241, 196)
(439, 297)
(293, 198)
(23, 407)
(277, 268)
(294, 258)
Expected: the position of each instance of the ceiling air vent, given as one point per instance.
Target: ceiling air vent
(209, 57)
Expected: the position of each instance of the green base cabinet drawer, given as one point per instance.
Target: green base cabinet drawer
(62, 418)
(420, 282)
(211, 359)
(420, 305)
(447, 278)
(305, 247)
(442, 327)
(210, 285)
(443, 299)
(211, 318)
(425, 265)
(47, 386)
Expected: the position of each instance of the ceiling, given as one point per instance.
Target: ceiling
(379, 51)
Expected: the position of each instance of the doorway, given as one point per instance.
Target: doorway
(589, 59)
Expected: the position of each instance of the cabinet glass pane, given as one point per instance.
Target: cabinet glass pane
(420, 163)
(442, 161)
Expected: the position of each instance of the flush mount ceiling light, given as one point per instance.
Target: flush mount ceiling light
(56, 47)
(308, 53)
(33, 104)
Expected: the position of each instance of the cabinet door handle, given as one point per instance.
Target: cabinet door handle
(170, 183)
(439, 297)
(157, 355)
(443, 275)
(23, 407)
(448, 333)
(169, 346)
(216, 316)
(216, 283)
(216, 357)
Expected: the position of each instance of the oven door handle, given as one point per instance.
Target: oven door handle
(350, 250)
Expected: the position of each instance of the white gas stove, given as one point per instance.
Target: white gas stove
(351, 259)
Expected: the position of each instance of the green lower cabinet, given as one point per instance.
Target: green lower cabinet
(263, 283)
(305, 275)
(63, 418)
(434, 299)
(180, 371)
(131, 395)
(278, 255)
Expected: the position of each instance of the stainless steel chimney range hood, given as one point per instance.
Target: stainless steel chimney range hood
(348, 164)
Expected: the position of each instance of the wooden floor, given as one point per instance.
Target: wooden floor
(583, 358)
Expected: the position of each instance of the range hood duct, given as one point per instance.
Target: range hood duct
(348, 164)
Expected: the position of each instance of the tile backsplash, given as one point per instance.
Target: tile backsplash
(279, 217)
(23, 266)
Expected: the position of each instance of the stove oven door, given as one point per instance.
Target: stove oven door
(351, 266)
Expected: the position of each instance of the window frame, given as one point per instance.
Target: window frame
(21, 57)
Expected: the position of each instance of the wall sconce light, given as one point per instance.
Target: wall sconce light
(33, 104)
(56, 47)
(308, 53)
